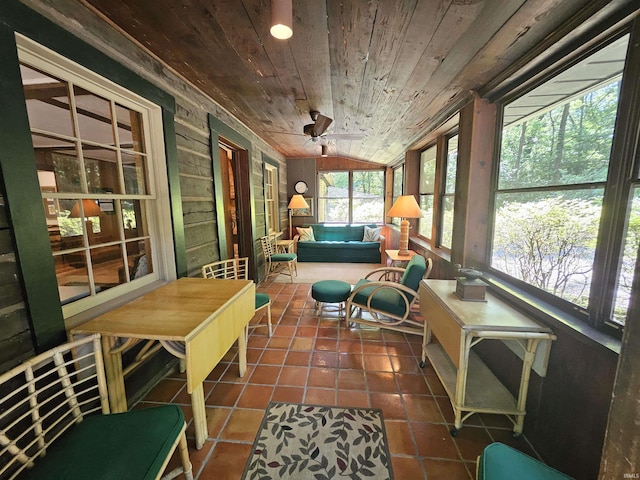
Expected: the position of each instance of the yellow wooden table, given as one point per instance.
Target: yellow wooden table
(196, 319)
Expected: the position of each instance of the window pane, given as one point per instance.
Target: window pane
(134, 169)
(447, 221)
(629, 260)
(333, 210)
(130, 129)
(547, 239)
(425, 223)
(94, 117)
(101, 167)
(368, 197)
(139, 258)
(73, 276)
(428, 170)
(106, 263)
(398, 174)
(368, 210)
(57, 162)
(47, 102)
(452, 162)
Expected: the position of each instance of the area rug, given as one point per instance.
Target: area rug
(317, 442)
(311, 272)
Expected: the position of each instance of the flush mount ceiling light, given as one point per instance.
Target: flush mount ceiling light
(281, 19)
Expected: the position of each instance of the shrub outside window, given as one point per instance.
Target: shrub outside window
(427, 190)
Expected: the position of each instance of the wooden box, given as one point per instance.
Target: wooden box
(471, 290)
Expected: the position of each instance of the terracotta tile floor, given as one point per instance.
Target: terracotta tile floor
(318, 360)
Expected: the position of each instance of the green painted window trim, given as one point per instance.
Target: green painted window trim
(33, 251)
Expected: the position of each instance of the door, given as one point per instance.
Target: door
(230, 204)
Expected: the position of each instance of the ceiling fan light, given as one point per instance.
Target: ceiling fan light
(324, 150)
(281, 19)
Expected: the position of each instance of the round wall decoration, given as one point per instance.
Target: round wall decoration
(300, 187)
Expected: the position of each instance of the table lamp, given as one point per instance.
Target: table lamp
(405, 207)
(297, 201)
(89, 209)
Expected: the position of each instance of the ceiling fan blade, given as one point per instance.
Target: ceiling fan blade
(321, 125)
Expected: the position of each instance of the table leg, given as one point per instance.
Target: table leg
(199, 415)
(242, 353)
(113, 372)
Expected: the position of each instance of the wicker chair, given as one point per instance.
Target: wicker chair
(275, 262)
(237, 269)
(387, 295)
(55, 423)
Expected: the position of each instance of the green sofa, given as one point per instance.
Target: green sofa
(339, 243)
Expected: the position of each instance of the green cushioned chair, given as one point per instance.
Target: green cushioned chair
(380, 301)
(501, 462)
(275, 261)
(55, 423)
(237, 269)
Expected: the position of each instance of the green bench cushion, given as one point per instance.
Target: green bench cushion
(132, 445)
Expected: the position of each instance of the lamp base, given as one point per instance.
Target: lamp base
(404, 238)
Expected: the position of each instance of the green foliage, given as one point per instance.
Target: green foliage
(548, 243)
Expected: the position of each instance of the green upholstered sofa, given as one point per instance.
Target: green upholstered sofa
(339, 243)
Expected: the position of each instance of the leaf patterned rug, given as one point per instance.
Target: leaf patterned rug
(317, 442)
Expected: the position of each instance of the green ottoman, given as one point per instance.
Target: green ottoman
(330, 291)
(501, 462)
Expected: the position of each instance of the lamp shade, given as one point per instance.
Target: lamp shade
(405, 207)
(281, 19)
(90, 207)
(298, 201)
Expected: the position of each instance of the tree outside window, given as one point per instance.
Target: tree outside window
(351, 197)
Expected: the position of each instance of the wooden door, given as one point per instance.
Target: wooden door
(230, 204)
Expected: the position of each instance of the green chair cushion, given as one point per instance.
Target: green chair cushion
(131, 445)
(261, 300)
(414, 272)
(330, 291)
(387, 300)
(283, 257)
(501, 462)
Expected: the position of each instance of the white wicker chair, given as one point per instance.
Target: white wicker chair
(274, 261)
(55, 423)
(237, 269)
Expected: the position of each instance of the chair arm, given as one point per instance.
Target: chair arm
(377, 286)
(296, 237)
(383, 244)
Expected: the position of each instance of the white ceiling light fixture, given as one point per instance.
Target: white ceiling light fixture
(281, 19)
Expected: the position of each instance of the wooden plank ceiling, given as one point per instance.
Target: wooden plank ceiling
(383, 70)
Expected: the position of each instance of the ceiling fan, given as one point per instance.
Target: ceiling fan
(317, 129)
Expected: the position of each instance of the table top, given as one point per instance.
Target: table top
(393, 255)
(492, 315)
(175, 311)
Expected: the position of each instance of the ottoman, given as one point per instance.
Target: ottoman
(501, 462)
(330, 291)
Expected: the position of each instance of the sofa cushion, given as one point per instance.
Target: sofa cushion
(306, 234)
(371, 234)
(339, 233)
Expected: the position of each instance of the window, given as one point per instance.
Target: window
(555, 158)
(427, 190)
(271, 198)
(94, 153)
(398, 177)
(449, 192)
(351, 197)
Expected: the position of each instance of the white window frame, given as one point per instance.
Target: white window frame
(157, 201)
(271, 198)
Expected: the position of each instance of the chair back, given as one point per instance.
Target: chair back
(47, 395)
(268, 243)
(231, 269)
(414, 272)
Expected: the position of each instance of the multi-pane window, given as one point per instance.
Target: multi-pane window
(449, 191)
(554, 163)
(271, 197)
(93, 163)
(351, 197)
(427, 190)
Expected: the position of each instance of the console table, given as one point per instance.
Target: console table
(460, 325)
